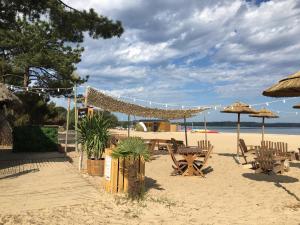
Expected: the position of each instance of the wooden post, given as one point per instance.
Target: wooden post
(128, 125)
(205, 128)
(263, 129)
(67, 126)
(185, 131)
(76, 116)
(238, 136)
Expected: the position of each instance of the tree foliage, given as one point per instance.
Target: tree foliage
(40, 41)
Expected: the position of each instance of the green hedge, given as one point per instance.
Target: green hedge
(35, 139)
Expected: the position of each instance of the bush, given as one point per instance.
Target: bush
(132, 146)
(35, 139)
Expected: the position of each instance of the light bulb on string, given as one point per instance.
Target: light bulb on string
(283, 101)
(267, 103)
(58, 90)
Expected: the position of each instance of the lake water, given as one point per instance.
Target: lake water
(268, 130)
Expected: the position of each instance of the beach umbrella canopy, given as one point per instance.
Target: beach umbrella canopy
(264, 113)
(239, 108)
(296, 106)
(6, 96)
(287, 87)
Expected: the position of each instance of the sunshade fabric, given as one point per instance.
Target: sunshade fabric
(106, 102)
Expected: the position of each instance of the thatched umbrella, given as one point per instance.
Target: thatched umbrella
(296, 106)
(288, 87)
(264, 113)
(239, 108)
(6, 96)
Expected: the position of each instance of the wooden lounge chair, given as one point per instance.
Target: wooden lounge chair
(201, 165)
(179, 166)
(268, 161)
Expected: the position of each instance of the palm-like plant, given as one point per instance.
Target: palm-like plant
(132, 146)
(94, 135)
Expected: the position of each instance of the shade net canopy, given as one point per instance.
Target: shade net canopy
(288, 87)
(98, 99)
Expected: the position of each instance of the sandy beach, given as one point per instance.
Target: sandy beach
(55, 193)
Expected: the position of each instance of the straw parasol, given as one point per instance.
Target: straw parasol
(6, 96)
(264, 113)
(288, 87)
(239, 108)
(296, 106)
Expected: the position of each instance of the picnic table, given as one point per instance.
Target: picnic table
(190, 155)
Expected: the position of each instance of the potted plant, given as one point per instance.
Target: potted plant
(94, 135)
(131, 154)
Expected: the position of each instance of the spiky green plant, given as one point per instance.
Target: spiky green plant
(132, 146)
(94, 135)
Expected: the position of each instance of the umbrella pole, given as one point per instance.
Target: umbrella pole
(185, 131)
(238, 136)
(263, 129)
(205, 128)
(128, 125)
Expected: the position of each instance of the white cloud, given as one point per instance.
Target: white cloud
(227, 48)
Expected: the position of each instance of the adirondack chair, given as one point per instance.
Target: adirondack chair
(280, 148)
(243, 149)
(201, 165)
(268, 161)
(179, 165)
(204, 145)
(247, 148)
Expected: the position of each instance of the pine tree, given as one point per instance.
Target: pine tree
(40, 41)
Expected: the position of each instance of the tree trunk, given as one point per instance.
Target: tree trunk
(26, 77)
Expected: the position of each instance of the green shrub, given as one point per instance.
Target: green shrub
(35, 139)
(132, 146)
(94, 134)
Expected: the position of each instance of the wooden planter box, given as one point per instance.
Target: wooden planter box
(95, 167)
(124, 174)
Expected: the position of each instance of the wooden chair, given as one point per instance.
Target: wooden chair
(179, 166)
(244, 150)
(200, 165)
(247, 148)
(281, 149)
(204, 145)
(268, 161)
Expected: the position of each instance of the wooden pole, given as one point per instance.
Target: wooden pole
(67, 125)
(128, 126)
(205, 127)
(238, 136)
(81, 150)
(263, 129)
(185, 131)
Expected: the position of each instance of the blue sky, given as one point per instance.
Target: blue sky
(191, 52)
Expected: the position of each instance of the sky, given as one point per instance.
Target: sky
(195, 53)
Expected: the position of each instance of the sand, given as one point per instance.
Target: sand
(230, 194)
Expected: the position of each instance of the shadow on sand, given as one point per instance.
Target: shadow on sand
(295, 164)
(278, 180)
(151, 183)
(233, 156)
